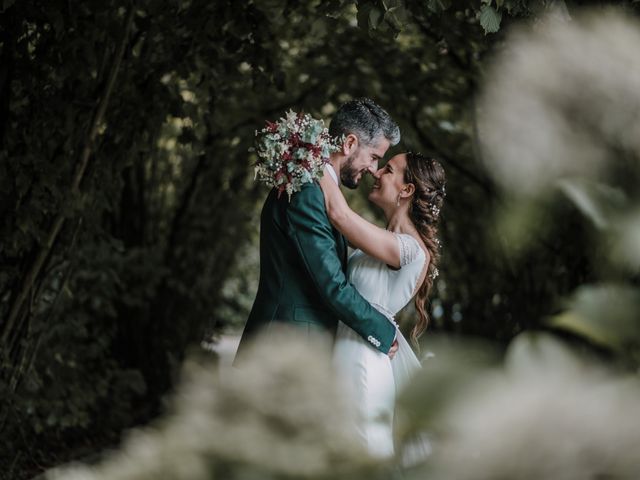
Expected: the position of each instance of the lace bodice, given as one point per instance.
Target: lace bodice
(388, 290)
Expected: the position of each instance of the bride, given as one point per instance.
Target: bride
(389, 268)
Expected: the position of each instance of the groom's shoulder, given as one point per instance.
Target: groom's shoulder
(309, 192)
(310, 196)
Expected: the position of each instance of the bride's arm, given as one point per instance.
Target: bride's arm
(371, 239)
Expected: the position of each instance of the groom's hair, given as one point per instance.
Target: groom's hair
(365, 119)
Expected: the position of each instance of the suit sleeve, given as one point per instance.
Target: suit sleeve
(311, 232)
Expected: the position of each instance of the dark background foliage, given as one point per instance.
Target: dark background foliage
(128, 211)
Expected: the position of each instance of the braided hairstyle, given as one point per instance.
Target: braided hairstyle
(427, 175)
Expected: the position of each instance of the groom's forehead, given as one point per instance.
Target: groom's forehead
(380, 147)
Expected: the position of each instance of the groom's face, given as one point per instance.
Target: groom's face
(364, 159)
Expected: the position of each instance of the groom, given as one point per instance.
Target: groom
(303, 259)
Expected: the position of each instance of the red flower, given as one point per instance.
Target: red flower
(272, 127)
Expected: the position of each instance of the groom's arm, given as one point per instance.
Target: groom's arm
(311, 232)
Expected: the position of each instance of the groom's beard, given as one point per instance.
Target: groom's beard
(348, 174)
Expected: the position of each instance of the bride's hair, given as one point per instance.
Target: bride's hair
(427, 175)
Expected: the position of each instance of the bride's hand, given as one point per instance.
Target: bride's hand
(335, 203)
(394, 349)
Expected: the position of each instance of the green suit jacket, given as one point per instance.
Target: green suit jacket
(303, 262)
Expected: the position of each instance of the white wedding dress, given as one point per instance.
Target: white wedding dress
(371, 377)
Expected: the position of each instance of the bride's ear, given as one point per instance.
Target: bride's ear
(408, 189)
(350, 144)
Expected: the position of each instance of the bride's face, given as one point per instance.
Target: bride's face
(389, 182)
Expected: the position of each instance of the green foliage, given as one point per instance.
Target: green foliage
(382, 17)
(156, 242)
(134, 275)
(490, 19)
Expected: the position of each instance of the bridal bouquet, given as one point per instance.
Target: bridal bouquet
(293, 151)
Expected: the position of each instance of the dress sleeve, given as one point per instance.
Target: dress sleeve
(409, 248)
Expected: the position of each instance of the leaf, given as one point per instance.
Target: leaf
(7, 4)
(490, 19)
(274, 9)
(396, 17)
(57, 20)
(375, 15)
(606, 315)
(585, 202)
(363, 15)
(578, 325)
(626, 242)
(437, 6)
(319, 28)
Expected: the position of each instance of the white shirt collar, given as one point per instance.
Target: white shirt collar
(329, 168)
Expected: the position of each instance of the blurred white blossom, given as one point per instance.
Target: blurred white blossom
(548, 414)
(561, 100)
(280, 414)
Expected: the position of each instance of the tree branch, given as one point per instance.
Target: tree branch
(430, 144)
(58, 222)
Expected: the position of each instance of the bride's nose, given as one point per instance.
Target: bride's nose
(377, 173)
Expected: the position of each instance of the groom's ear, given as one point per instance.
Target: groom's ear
(350, 144)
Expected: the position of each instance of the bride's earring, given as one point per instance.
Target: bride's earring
(398, 200)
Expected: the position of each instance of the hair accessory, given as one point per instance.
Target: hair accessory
(434, 209)
(434, 274)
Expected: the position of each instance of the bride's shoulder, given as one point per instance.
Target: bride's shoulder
(412, 249)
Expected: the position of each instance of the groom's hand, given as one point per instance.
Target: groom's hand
(394, 349)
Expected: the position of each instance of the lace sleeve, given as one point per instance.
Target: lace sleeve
(409, 248)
